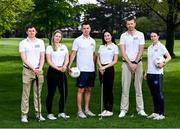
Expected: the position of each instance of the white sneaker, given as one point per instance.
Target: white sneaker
(122, 114)
(102, 113)
(108, 113)
(142, 113)
(81, 115)
(152, 115)
(40, 117)
(89, 113)
(159, 117)
(51, 117)
(63, 115)
(24, 118)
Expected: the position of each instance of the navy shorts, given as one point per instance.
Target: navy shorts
(86, 79)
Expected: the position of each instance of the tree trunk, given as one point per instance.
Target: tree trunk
(170, 39)
(171, 27)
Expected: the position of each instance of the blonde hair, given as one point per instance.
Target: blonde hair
(52, 39)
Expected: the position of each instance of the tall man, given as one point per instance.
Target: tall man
(132, 47)
(32, 52)
(84, 48)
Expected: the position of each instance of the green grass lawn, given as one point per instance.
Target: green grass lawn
(11, 87)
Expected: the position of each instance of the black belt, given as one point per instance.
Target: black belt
(134, 62)
(27, 67)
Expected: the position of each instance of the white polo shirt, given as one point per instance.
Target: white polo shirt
(132, 43)
(153, 52)
(85, 48)
(32, 50)
(107, 52)
(58, 56)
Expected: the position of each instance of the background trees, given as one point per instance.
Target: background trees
(48, 15)
(110, 15)
(169, 12)
(10, 10)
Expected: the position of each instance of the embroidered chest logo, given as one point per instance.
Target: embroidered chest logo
(37, 46)
(61, 49)
(109, 48)
(92, 44)
(155, 50)
(135, 38)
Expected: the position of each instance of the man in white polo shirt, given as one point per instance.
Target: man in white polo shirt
(132, 47)
(32, 52)
(84, 49)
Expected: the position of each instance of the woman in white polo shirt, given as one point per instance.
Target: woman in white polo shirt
(57, 58)
(154, 75)
(107, 57)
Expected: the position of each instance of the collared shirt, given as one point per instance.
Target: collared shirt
(131, 43)
(59, 55)
(107, 53)
(154, 51)
(32, 50)
(85, 48)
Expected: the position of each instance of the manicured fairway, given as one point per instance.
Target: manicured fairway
(11, 87)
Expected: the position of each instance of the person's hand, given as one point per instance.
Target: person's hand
(102, 70)
(69, 69)
(161, 65)
(145, 76)
(37, 71)
(133, 67)
(64, 68)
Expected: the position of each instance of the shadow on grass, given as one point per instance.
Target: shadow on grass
(9, 58)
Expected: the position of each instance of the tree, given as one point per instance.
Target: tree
(111, 15)
(10, 10)
(169, 12)
(52, 14)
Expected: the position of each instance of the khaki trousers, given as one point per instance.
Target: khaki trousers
(28, 79)
(126, 82)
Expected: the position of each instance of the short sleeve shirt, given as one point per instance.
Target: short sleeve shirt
(154, 51)
(85, 48)
(59, 55)
(131, 43)
(107, 52)
(32, 50)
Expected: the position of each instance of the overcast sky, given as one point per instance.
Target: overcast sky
(87, 1)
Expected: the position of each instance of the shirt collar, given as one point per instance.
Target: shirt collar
(157, 44)
(29, 40)
(85, 37)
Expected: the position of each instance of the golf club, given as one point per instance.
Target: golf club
(37, 85)
(101, 97)
(64, 91)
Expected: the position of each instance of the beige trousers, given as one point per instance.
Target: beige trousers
(126, 82)
(28, 79)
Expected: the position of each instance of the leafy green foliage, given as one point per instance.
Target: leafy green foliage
(10, 10)
(169, 12)
(52, 14)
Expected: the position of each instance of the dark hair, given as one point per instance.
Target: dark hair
(130, 18)
(29, 26)
(85, 23)
(113, 39)
(156, 32)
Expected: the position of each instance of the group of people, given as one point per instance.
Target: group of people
(32, 51)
